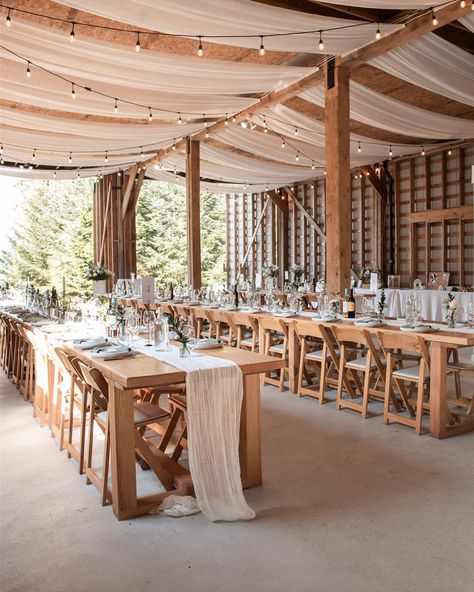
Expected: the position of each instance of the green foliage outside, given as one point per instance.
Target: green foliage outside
(53, 236)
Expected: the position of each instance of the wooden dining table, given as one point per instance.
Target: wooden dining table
(141, 371)
(441, 342)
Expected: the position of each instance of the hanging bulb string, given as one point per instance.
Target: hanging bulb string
(76, 85)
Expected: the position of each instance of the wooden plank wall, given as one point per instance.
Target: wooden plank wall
(423, 242)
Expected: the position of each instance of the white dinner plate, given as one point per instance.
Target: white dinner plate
(419, 329)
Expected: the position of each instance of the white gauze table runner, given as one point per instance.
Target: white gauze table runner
(214, 393)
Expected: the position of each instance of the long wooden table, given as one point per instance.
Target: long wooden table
(440, 342)
(141, 371)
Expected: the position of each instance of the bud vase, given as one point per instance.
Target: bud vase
(451, 322)
(184, 351)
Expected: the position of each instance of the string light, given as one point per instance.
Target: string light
(422, 151)
(234, 119)
(450, 152)
(142, 154)
(180, 119)
(33, 157)
(70, 157)
(297, 157)
(296, 131)
(173, 147)
(321, 42)
(390, 152)
(119, 173)
(73, 91)
(116, 106)
(359, 148)
(433, 18)
(71, 34)
(200, 49)
(262, 48)
(312, 165)
(378, 34)
(8, 20)
(207, 133)
(265, 127)
(226, 122)
(150, 115)
(462, 4)
(54, 175)
(283, 143)
(106, 157)
(78, 174)
(137, 44)
(1, 148)
(266, 188)
(28, 71)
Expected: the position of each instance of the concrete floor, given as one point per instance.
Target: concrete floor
(347, 505)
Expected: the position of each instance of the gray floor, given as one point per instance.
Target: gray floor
(347, 505)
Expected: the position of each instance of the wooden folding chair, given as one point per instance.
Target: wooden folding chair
(275, 343)
(246, 327)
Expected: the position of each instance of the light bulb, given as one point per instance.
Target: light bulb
(33, 157)
(296, 131)
(226, 122)
(265, 128)
(422, 151)
(207, 133)
(106, 157)
(321, 43)
(173, 147)
(450, 152)
(262, 48)
(73, 91)
(359, 148)
(141, 152)
(1, 148)
(115, 106)
(200, 49)
(71, 34)
(378, 35)
(28, 71)
(324, 172)
(137, 44)
(150, 115)
(312, 165)
(434, 19)
(234, 119)
(180, 120)
(283, 143)
(54, 174)
(70, 157)
(8, 20)
(462, 4)
(297, 157)
(390, 152)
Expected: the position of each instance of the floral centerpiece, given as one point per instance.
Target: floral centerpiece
(321, 286)
(97, 272)
(183, 333)
(451, 307)
(297, 271)
(382, 304)
(270, 271)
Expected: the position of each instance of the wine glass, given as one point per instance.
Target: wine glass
(470, 314)
(132, 326)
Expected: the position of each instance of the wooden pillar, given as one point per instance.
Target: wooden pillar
(193, 214)
(338, 196)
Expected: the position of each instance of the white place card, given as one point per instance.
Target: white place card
(374, 282)
(148, 290)
(258, 282)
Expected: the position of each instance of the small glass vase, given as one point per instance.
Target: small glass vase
(184, 351)
(451, 322)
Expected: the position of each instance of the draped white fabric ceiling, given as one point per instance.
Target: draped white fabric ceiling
(38, 113)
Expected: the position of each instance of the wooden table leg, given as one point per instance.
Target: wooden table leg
(438, 358)
(293, 358)
(250, 449)
(122, 448)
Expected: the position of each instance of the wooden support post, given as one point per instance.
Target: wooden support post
(338, 196)
(193, 214)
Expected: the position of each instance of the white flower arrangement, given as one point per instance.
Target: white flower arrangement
(97, 272)
(297, 271)
(321, 285)
(270, 271)
(451, 307)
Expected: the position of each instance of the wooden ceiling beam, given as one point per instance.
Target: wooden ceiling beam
(412, 30)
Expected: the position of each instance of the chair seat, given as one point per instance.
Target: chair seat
(318, 355)
(464, 366)
(142, 412)
(277, 349)
(409, 373)
(359, 363)
(248, 341)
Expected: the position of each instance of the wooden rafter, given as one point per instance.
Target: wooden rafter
(375, 181)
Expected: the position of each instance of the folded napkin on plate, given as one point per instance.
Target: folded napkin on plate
(111, 353)
(90, 343)
(209, 343)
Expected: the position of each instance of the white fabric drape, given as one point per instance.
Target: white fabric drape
(381, 111)
(468, 22)
(388, 4)
(434, 64)
(235, 17)
(214, 394)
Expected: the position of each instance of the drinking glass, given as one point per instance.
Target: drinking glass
(470, 314)
(132, 325)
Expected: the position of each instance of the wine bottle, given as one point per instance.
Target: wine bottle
(345, 304)
(236, 296)
(351, 305)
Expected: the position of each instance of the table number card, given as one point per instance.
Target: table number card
(374, 282)
(148, 290)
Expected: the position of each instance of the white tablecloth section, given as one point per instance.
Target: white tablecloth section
(214, 393)
(432, 308)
